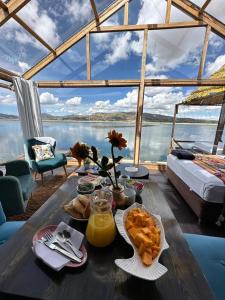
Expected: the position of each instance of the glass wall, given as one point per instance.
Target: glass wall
(87, 115)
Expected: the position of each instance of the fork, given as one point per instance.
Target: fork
(67, 254)
(67, 246)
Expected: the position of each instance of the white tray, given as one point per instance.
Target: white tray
(134, 265)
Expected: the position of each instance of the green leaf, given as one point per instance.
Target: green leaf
(109, 166)
(95, 153)
(118, 173)
(118, 159)
(102, 173)
(104, 161)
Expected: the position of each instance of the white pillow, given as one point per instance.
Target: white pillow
(42, 152)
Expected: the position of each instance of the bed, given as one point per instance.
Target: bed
(203, 192)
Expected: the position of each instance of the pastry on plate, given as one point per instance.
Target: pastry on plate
(79, 207)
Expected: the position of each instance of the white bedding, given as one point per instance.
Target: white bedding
(209, 187)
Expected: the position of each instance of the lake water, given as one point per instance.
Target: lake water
(154, 146)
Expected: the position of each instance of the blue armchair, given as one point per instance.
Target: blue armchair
(42, 166)
(7, 229)
(16, 187)
(209, 252)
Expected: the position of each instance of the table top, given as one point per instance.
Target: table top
(22, 274)
(142, 173)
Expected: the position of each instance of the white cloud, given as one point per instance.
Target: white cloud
(79, 9)
(7, 99)
(120, 48)
(102, 39)
(130, 101)
(157, 100)
(23, 66)
(48, 98)
(215, 65)
(74, 101)
(40, 22)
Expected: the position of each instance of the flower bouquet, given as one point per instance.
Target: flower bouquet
(82, 151)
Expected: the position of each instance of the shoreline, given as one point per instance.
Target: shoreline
(129, 123)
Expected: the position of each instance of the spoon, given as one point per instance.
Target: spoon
(65, 238)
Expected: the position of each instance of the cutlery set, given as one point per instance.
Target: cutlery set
(61, 243)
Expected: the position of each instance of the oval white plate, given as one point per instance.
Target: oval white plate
(134, 265)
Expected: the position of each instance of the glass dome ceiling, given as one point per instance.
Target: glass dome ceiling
(46, 34)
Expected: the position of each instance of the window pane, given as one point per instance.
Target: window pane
(215, 58)
(199, 2)
(69, 66)
(116, 55)
(174, 53)
(217, 9)
(102, 4)
(147, 12)
(10, 130)
(88, 115)
(18, 49)
(157, 119)
(56, 20)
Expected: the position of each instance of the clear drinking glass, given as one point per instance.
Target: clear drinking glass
(101, 228)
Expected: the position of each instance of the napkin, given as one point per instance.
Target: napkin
(52, 258)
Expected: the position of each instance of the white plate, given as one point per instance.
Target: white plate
(134, 265)
(80, 220)
(131, 169)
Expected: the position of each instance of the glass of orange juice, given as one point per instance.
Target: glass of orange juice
(101, 228)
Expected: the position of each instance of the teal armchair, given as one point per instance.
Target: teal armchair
(16, 187)
(7, 229)
(43, 166)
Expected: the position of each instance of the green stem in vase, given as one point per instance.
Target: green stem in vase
(114, 168)
(98, 164)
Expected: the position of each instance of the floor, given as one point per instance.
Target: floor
(184, 215)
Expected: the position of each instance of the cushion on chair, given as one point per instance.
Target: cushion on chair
(210, 254)
(32, 142)
(2, 215)
(8, 229)
(42, 152)
(50, 164)
(27, 185)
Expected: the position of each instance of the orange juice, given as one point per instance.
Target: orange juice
(101, 229)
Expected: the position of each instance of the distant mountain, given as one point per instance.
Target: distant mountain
(122, 117)
(4, 116)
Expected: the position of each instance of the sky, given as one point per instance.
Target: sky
(171, 54)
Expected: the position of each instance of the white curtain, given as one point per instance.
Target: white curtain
(28, 103)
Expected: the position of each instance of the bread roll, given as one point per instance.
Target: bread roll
(84, 200)
(79, 207)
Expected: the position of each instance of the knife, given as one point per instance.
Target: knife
(62, 251)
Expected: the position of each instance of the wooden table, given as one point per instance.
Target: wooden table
(23, 276)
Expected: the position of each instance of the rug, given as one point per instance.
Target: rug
(40, 196)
